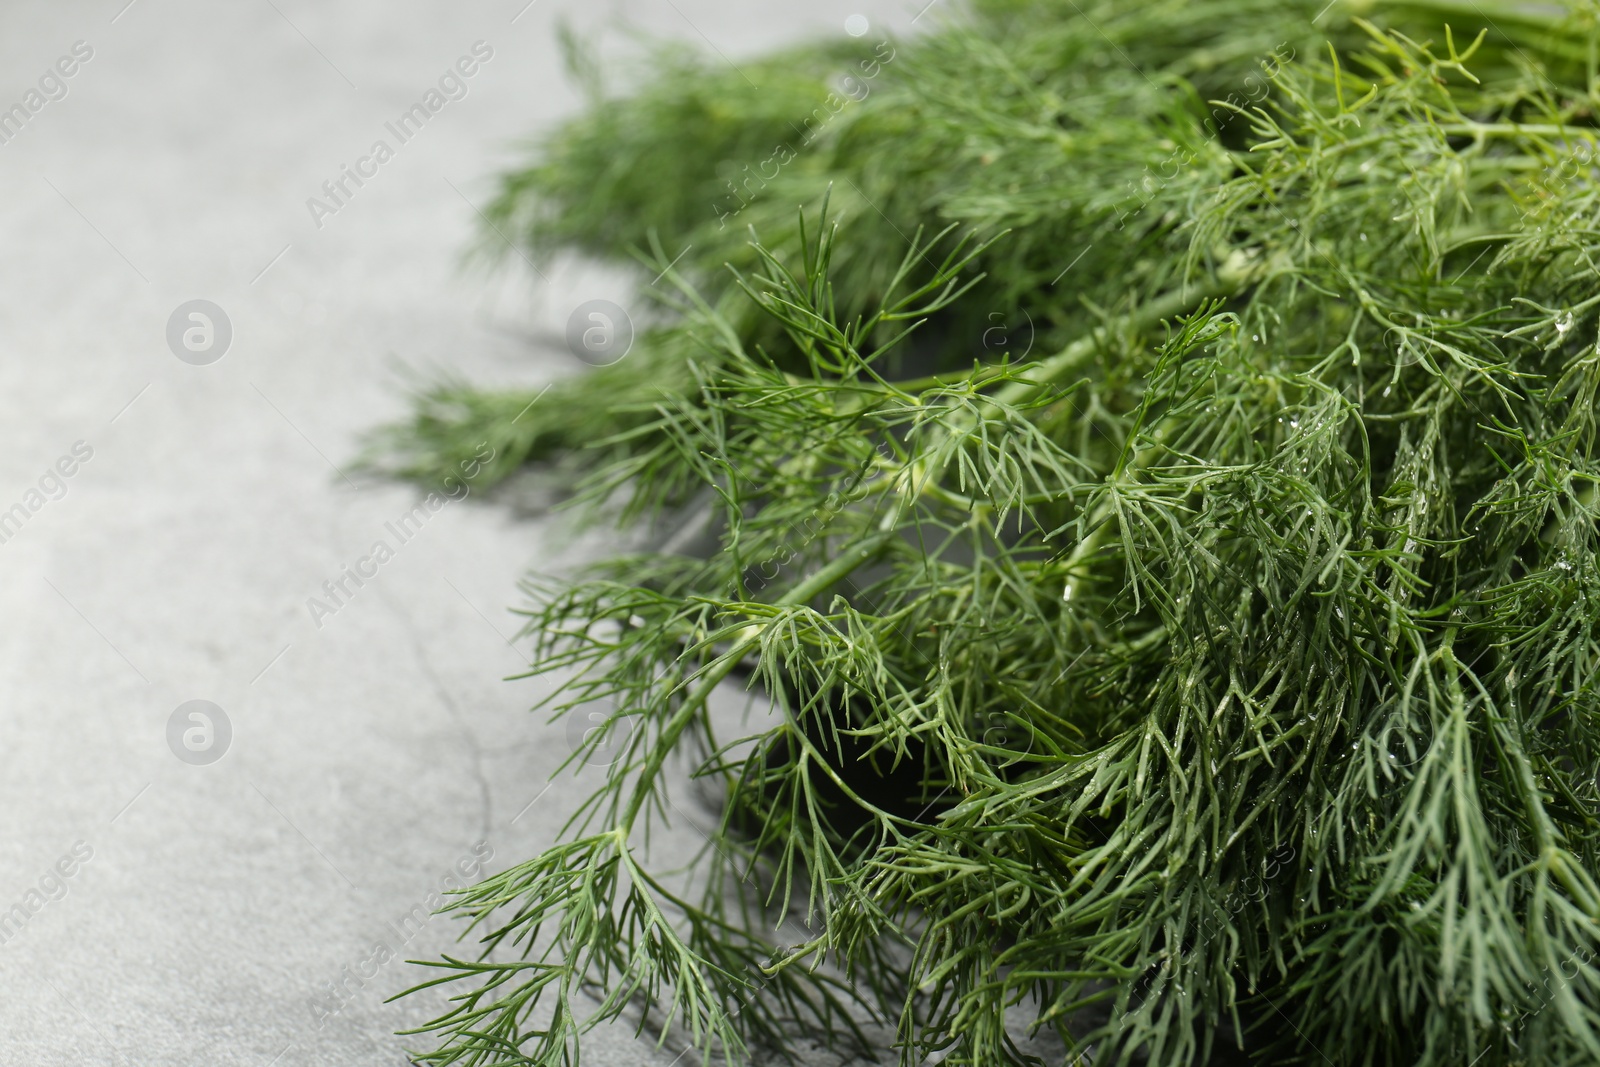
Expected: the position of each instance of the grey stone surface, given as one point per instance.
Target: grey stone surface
(369, 753)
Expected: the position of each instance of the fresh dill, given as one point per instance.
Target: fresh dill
(1241, 633)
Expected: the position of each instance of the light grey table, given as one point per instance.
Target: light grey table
(182, 913)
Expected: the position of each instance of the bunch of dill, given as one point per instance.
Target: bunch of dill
(1233, 609)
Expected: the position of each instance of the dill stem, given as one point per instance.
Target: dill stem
(1516, 129)
(1147, 315)
(708, 679)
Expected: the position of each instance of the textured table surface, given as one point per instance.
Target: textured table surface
(176, 912)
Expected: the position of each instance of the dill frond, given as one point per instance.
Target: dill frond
(1239, 636)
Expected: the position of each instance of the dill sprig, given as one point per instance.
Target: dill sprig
(1240, 638)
